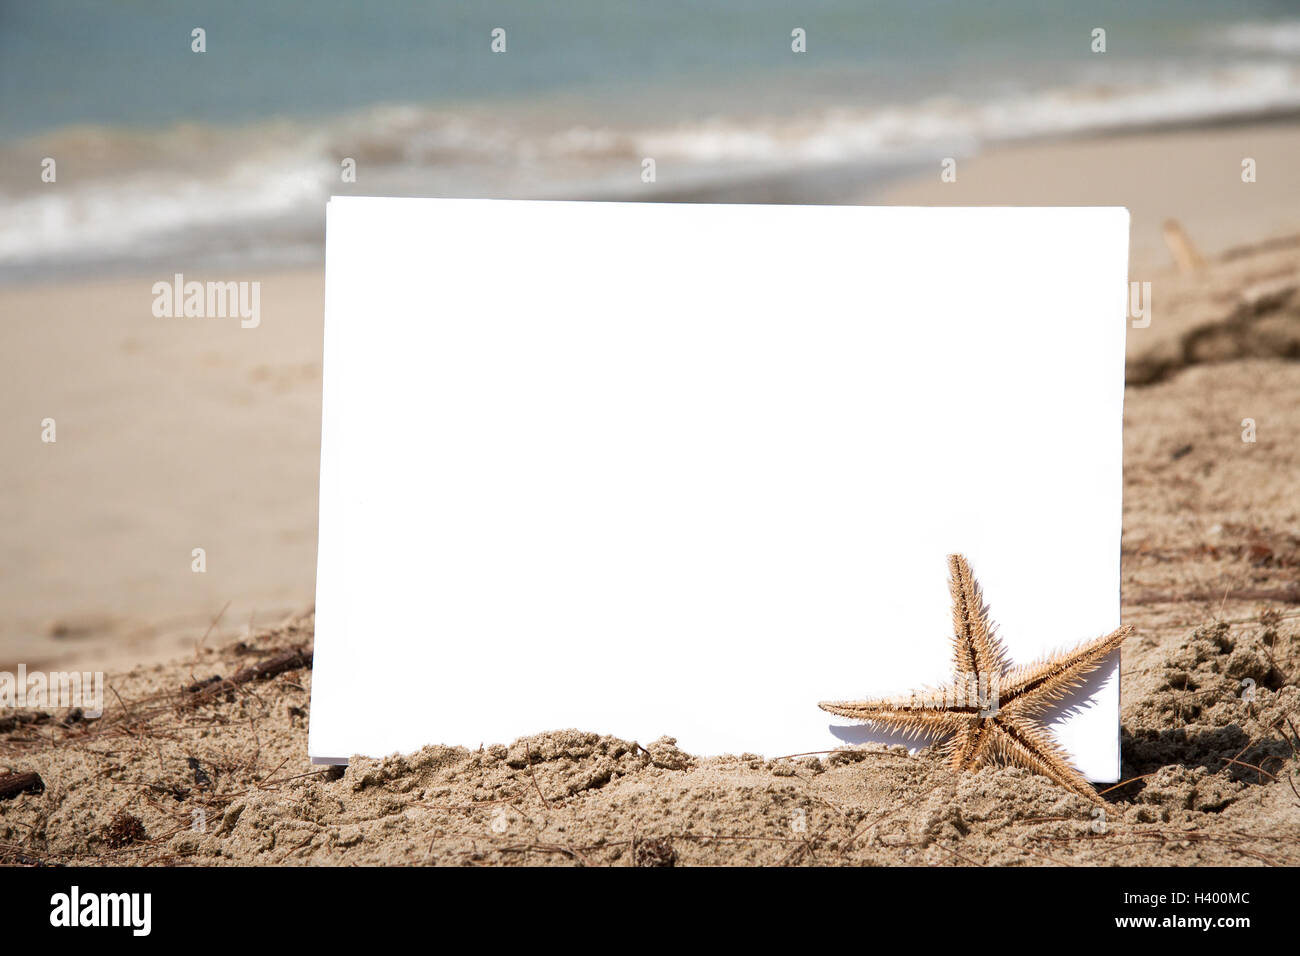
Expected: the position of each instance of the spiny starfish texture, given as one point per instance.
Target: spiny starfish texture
(991, 711)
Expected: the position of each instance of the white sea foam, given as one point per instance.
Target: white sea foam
(1281, 36)
(211, 192)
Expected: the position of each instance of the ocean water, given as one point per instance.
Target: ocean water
(225, 158)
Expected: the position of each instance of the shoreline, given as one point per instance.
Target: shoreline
(854, 182)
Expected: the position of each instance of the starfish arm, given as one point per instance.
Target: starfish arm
(970, 745)
(912, 716)
(1032, 688)
(1018, 742)
(976, 649)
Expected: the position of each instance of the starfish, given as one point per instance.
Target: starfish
(990, 712)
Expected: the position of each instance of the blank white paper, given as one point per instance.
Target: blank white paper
(650, 469)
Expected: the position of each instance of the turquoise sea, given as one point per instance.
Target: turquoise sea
(228, 155)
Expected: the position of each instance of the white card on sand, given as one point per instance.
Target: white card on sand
(652, 469)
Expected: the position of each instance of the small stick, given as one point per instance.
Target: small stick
(1255, 767)
(1122, 783)
(1287, 595)
(290, 660)
(16, 783)
(1181, 247)
(839, 750)
(529, 754)
(199, 646)
(267, 779)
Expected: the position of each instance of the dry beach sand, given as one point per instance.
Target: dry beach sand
(174, 444)
(1210, 569)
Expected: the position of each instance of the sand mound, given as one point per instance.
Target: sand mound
(189, 770)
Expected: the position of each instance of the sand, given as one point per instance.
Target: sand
(186, 770)
(1191, 175)
(205, 435)
(172, 434)
(219, 775)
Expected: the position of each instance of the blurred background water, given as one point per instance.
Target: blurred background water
(227, 157)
